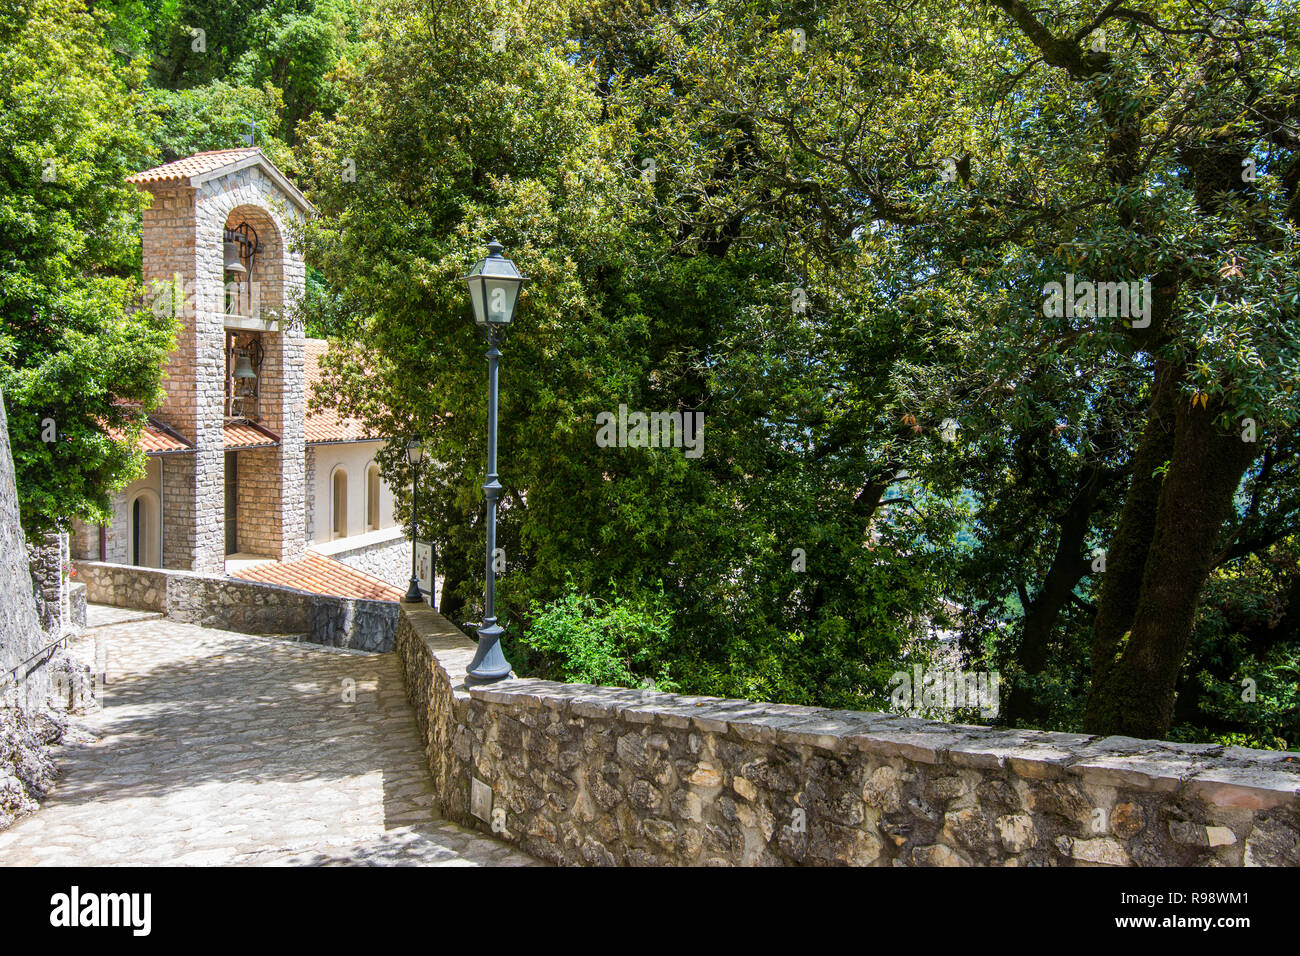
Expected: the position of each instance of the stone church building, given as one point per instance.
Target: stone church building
(241, 478)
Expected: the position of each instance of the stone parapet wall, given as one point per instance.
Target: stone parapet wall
(249, 607)
(611, 776)
(434, 655)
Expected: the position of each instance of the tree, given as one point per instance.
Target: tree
(456, 135)
(75, 361)
(844, 232)
(1008, 148)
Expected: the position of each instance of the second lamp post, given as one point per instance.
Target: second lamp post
(494, 285)
(414, 452)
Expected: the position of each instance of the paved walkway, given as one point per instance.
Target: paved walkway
(216, 748)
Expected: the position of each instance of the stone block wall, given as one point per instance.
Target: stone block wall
(387, 560)
(85, 539)
(44, 558)
(610, 776)
(249, 607)
(280, 275)
(21, 633)
(77, 606)
(178, 514)
(169, 251)
(259, 501)
(117, 535)
(309, 493)
(194, 384)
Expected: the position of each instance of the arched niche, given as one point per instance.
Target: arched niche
(374, 490)
(338, 503)
(144, 529)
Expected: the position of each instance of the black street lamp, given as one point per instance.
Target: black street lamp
(414, 452)
(494, 285)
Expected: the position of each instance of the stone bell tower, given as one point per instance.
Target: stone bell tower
(235, 385)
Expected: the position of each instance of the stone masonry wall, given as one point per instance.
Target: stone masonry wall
(249, 607)
(21, 634)
(44, 558)
(388, 560)
(84, 540)
(183, 231)
(178, 518)
(611, 776)
(193, 384)
(309, 493)
(77, 606)
(280, 274)
(259, 498)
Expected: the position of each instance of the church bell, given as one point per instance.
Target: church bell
(244, 367)
(233, 262)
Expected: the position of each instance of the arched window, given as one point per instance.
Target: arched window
(339, 503)
(372, 498)
(145, 532)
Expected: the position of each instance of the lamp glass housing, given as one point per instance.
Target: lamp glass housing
(494, 285)
(414, 451)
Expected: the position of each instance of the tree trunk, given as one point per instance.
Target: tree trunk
(1126, 555)
(1135, 693)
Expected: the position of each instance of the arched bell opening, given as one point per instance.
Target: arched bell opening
(252, 270)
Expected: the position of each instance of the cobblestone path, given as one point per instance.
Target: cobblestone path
(216, 748)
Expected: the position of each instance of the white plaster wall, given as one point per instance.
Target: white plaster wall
(354, 458)
(119, 530)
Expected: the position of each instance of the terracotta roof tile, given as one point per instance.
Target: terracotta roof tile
(326, 425)
(317, 574)
(157, 438)
(247, 435)
(196, 165)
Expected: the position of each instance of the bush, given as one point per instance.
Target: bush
(586, 640)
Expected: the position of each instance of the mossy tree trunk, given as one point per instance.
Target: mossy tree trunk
(1161, 558)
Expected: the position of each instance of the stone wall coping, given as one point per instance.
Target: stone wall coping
(1228, 776)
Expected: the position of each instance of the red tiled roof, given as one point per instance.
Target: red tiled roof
(196, 165)
(320, 426)
(247, 435)
(156, 438)
(197, 169)
(317, 574)
(326, 425)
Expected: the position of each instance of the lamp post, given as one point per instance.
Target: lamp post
(414, 452)
(494, 285)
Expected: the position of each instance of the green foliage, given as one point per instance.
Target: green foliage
(216, 116)
(454, 142)
(74, 359)
(1242, 683)
(917, 174)
(819, 170)
(619, 642)
(254, 62)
